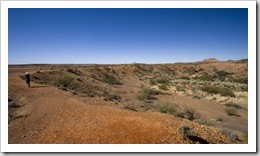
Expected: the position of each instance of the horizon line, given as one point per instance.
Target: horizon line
(120, 63)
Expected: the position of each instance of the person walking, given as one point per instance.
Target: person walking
(27, 76)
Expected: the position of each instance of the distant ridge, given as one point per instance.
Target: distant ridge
(208, 60)
(211, 60)
(244, 60)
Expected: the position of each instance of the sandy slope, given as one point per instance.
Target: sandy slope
(50, 115)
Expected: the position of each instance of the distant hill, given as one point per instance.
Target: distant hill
(243, 60)
(211, 60)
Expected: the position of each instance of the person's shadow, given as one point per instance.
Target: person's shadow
(38, 86)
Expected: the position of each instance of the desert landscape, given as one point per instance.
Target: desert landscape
(203, 102)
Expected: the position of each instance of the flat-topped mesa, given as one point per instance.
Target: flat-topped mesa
(211, 60)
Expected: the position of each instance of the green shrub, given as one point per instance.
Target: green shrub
(179, 114)
(166, 108)
(219, 119)
(191, 70)
(243, 80)
(130, 107)
(222, 73)
(204, 122)
(229, 133)
(231, 112)
(171, 72)
(185, 130)
(244, 88)
(97, 68)
(218, 90)
(163, 86)
(146, 94)
(163, 81)
(180, 88)
(205, 77)
(74, 71)
(107, 68)
(113, 71)
(233, 105)
(113, 97)
(110, 79)
(190, 113)
(185, 78)
(69, 70)
(152, 82)
(116, 97)
(143, 96)
(63, 80)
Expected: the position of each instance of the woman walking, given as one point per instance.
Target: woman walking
(27, 76)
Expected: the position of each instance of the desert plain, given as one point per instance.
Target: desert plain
(204, 102)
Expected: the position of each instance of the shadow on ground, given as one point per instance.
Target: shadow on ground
(39, 86)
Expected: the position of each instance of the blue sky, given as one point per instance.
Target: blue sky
(116, 36)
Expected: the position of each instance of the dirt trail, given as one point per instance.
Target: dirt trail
(50, 115)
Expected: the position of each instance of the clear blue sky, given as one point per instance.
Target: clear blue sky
(126, 35)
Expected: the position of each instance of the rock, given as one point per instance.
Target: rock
(13, 104)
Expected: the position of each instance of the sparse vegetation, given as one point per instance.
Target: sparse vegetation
(220, 119)
(163, 81)
(190, 113)
(166, 108)
(229, 133)
(130, 107)
(143, 96)
(204, 89)
(221, 75)
(163, 86)
(110, 79)
(218, 90)
(244, 88)
(231, 112)
(146, 94)
(107, 68)
(184, 131)
(112, 97)
(191, 70)
(233, 105)
(179, 114)
(63, 80)
(152, 82)
(185, 78)
(74, 71)
(180, 88)
(243, 80)
(205, 77)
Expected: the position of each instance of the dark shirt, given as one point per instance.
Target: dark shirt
(27, 77)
